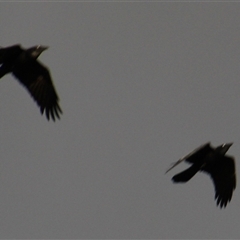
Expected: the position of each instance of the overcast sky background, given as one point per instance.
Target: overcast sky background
(140, 85)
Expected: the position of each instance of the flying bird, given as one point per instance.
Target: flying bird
(33, 75)
(214, 162)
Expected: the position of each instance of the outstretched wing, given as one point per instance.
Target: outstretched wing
(193, 157)
(224, 179)
(36, 78)
(187, 174)
(9, 53)
(199, 153)
(7, 57)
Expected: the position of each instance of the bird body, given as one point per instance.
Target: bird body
(214, 162)
(33, 75)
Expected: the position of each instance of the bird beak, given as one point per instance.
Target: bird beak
(42, 48)
(45, 48)
(229, 144)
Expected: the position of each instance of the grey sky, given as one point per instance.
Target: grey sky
(140, 85)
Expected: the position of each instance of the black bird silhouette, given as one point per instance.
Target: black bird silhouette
(23, 64)
(213, 161)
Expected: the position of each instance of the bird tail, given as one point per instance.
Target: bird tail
(187, 174)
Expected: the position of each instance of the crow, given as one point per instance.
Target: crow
(33, 75)
(213, 161)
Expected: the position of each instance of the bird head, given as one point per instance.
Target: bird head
(36, 50)
(222, 149)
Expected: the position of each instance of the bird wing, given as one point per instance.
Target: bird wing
(7, 57)
(187, 174)
(199, 153)
(36, 78)
(2, 52)
(224, 179)
(193, 156)
(9, 53)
